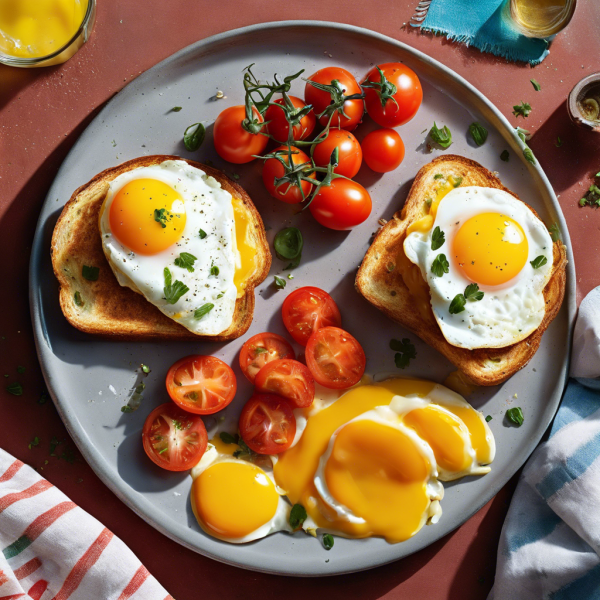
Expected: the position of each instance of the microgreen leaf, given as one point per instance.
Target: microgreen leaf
(194, 136)
(505, 156)
(515, 416)
(457, 181)
(536, 86)
(457, 305)
(442, 137)
(288, 244)
(440, 265)
(478, 132)
(15, 388)
(186, 261)
(472, 292)
(405, 351)
(522, 110)
(555, 232)
(279, 282)
(488, 418)
(203, 310)
(90, 273)
(538, 261)
(297, 516)
(173, 291)
(227, 438)
(438, 176)
(328, 541)
(528, 154)
(558, 142)
(202, 234)
(437, 238)
(161, 215)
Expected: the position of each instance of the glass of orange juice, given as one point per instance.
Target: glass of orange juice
(39, 33)
(540, 18)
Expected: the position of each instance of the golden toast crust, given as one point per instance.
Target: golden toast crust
(110, 310)
(384, 287)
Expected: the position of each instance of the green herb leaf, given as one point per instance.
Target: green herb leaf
(214, 270)
(90, 273)
(479, 133)
(173, 291)
(126, 409)
(202, 234)
(457, 305)
(538, 261)
(328, 541)
(488, 418)
(244, 450)
(297, 516)
(194, 136)
(505, 156)
(555, 232)
(176, 109)
(583, 202)
(405, 351)
(437, 238)
(186, 261)
(559, 142)
(523, 134)
(145, 368)
(528, 154)
(472, 292)
(536, 86)
(54, 442)
(288, 244)
(457, 181)
(522, 110)
(15, 388)
(161, 215)
(438, 176)
(77, 299)
(227, 438)
(279, 282)
(203, 310)
(440, 265)
(442, 137)
(515, 416)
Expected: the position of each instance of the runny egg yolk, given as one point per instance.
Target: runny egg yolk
(378, 472)
(490, 249)
(233, 499)
(246, 264)
(147, 216)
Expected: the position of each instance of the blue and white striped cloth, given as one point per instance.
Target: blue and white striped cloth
(550, 543)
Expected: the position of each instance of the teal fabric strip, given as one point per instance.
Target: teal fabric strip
(484, 25)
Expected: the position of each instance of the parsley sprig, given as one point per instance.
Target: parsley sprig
(440, 265)
(173, 290)
(522, 110)
(471, 293)
(442, 137)
(405, 351)
(186, 261)
(437, 238)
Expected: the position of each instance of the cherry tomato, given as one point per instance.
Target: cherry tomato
(307, 309)
(408, 95)
(174, 439)
(286, 192)
(287, 378)
(320, 99)
(232, 141)
(342, 204)
(278, 126)
(261, 349)
(201, 384)
(335, 359)
(267, 424)
(350, 153)
(384, 150)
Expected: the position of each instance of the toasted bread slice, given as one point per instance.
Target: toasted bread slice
(110, 310)
(386, 274)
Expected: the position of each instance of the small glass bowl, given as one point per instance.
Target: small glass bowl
(62, 54)
(577, 94)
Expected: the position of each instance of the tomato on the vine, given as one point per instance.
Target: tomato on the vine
(383, 150)
(342, 204)
(394, 99)
(173, 438)
(272, 169)
(350, 153)
(261, 349)
(278, 126)
(321, 99)
(232, 142)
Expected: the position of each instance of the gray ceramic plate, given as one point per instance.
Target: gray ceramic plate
(81, 371)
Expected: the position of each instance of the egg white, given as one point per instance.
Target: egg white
(207, 207)
(507, 313)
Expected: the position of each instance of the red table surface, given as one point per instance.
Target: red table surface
(42, 113)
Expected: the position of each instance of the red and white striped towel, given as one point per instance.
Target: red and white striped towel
(53, 550)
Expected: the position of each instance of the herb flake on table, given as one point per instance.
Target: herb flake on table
(442, 137)
(536, 86)
(15, 388)
(522, 110)
(479, 133)
(279, 282)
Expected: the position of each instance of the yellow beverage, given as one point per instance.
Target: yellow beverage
(541, 18)
(36, 28)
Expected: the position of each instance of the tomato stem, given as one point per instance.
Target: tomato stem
(385, 89)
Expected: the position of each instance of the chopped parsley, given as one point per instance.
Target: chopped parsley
(90, 273)
(405, 351)
(202, 234)
(522, 110)
(328, 541)
(145, 368)
(437, 238)
(488, 418)
(440, 265)
(558, 142)
(592, 196)
(279, 282)
(176, 109)
(555, 232)
(186, 261)
(505, 156)
(528, 154)
(457, 181)
(297, 516)
(228, 438)
(203, 310)
(459, 301)
(515, 416)
(15, 388)
(538, 261)
(472, 292)
(77, 299)
(536, 86)
(161, 216)
(173, 291)
(479, 133)
(442, 137)
(34, 442)
(438, 176)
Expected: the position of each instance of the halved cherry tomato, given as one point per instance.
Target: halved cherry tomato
(335, 359)
(232, 141)
(342, 204)
(267, 424)
(307, 309)
(350, 153)
(278, 126)
(321, 99)
(201, 384)
(408, 95)
(384, 150)
(261, 349)
(286, 192)
(288, 378)
(174, 439)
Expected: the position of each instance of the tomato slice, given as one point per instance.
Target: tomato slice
(174, 439)
(267, 424)
(307, 309)
(201, 384)
(261, 349)
(288, 378)
(335, 359)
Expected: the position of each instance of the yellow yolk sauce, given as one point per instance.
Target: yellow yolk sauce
(233, 499)
(246, 262)
(36, 28)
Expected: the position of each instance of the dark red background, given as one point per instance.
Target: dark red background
(43, 111)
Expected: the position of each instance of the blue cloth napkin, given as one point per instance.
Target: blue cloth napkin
(479, 23)
(550, 543)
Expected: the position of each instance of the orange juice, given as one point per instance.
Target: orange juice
(36, 28)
